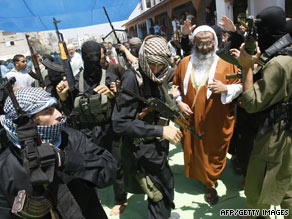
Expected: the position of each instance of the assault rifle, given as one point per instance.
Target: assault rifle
(157, 105)
(113, 29)
(65, 57)
(280, 47)
(250, 44)
(35, 62)
(115, 34)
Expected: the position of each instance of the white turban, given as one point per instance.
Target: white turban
(207, 28)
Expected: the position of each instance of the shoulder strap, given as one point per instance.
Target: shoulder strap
(81, 82)
(168, 99)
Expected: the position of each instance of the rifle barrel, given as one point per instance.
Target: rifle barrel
(113, 29)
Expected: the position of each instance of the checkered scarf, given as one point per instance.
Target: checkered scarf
(154, 50)
(31, 100)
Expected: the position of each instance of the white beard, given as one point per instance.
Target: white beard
(202, 62)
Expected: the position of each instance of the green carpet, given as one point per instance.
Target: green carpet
(189, 194)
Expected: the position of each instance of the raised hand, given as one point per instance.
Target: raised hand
(62, 89)
(187, 28)
(227, 24)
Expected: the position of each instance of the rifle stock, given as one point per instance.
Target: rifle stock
(65, 57)
(35, 62)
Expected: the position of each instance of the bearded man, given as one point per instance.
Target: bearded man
(205, 97)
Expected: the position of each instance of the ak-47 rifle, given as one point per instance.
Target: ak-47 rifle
(35, 62)
(250, 44)
(115, 34)
(281, 47)
(113, 29)
(157, 105)
(65, 57)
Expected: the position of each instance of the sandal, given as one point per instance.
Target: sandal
(212, 196)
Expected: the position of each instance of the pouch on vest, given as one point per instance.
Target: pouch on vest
(148, 187)
(91, 109)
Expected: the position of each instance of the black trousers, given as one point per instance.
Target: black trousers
(159, 210)
(105, 137)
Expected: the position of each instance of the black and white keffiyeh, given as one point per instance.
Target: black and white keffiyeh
(154, 50)
(32, 100)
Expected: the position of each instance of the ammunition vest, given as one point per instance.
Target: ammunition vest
(281, 111)
(91, 109)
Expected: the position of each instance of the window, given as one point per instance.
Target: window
(7, 33)
(9, 43)
(148, 4)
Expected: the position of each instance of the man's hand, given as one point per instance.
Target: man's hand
(174, 91)
(186, 110)
(246, 60)
(187, 28)
(227, 24)
(62, 89)
(217, 87)
(113, 86)
(122, 47)
(172, 134)
(103, 89)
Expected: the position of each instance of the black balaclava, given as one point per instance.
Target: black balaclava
(92, 67)
(289, 27)
(271, 27)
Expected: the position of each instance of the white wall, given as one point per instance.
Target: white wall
(224, 9)
(256, 6)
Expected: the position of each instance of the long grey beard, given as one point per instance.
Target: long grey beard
(201, 61)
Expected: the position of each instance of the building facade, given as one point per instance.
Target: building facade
(162, 12)
(15, 43)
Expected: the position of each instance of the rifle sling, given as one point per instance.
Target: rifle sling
(64, 201)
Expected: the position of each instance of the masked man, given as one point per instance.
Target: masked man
(145, 138)
(205, 97)
(269, 173)
(81, 164)
(91, 108)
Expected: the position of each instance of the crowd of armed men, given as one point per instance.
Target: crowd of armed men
(226, 89)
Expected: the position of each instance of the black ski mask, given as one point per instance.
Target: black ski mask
(91, 54)
(271, 27)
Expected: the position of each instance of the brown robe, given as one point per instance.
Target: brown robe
(205, 159)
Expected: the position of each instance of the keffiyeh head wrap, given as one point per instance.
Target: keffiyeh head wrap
(154, 50)
(31, 100)
(135, 41)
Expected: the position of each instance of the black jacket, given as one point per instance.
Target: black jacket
(151, 155)
(86, 166)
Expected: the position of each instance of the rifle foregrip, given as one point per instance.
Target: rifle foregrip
(250, 45)
(233, 76)
(62, 51)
